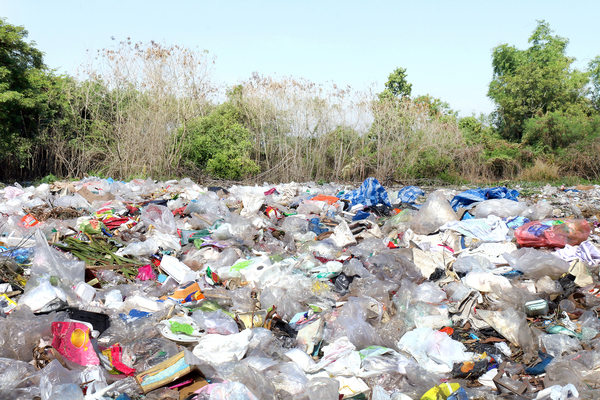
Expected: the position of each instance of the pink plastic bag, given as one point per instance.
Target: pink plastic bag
(145, 273)
(553, 232)
(72, 341)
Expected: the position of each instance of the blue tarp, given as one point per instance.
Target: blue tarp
(370, 193)
(470, 198)
(409, 195)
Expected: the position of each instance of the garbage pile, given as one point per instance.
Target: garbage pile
(171, 290)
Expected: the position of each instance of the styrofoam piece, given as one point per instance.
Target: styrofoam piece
(85, 292)
(177, 270)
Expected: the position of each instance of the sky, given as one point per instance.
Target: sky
(445, 46)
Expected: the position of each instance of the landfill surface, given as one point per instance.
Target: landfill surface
(172, 290)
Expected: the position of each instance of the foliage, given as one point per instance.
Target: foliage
(397, 85)
(29, 95)
(594, 71)
(221, 144)
(535, 81)
(557, 130)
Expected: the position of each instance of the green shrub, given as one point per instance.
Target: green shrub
(220, 144)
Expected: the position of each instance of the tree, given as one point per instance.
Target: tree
(594, 71)
(397, 85)
(535, 81)
(26, 92)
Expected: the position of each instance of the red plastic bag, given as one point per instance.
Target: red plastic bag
(553, 232)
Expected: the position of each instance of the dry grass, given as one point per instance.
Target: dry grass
(540, 171)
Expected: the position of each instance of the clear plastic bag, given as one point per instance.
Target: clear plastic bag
(512, 325)
(467, 264)
(553, 233)
(13, 375)
(323, 389)
(215, 322)
(47, 261)
(160, 217)
(502, 208)
(539, 210)
(557, 345)
(429, 292)
(434, 213)
(537, 264)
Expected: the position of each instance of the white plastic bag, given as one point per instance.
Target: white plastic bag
(217, 349)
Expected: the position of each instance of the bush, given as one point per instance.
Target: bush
(221, 145)
(556, 130)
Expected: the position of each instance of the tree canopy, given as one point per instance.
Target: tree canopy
(535, 81)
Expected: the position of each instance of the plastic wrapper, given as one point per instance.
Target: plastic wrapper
(553, 233)
(21, 331)
(139, 249)
(537, 264)
(502, 208)
(434, 213)
(75, 201)
(227, 391)
(160, 217)
(400, 221)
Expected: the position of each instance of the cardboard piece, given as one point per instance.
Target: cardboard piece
(164, 373)
(91, 197)
(188, 389)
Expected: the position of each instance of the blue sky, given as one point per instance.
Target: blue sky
(444, 45)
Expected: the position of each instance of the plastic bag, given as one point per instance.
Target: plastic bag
(217, 349)
(467, 264)
(434, 213)
(512, 325)
(139, 249)
(557, 345)
(51, 262)
(553, 233)
(502, 208)
(429, 292)
(400, 221)
(434, 350)
(539, 210)
(160, 217)
(230, 391)
(215, 322)
(324, 389)
(288, 379)
(15, 374)
(537, 264)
